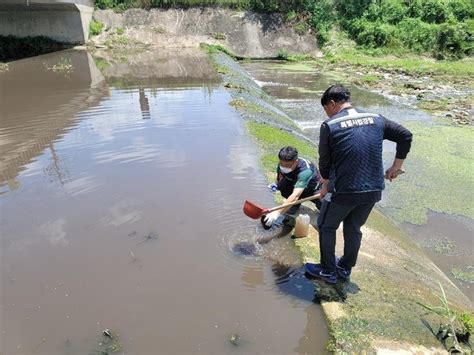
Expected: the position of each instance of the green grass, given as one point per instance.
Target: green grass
(409, 63)
(95, 28)
(341, 50)
(101, 63)
(219, 36)
(468, 321)
(215, 48)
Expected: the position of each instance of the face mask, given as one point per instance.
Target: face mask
(285, 170)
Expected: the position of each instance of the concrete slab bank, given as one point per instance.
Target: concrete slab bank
(382, 310)
(244, 33)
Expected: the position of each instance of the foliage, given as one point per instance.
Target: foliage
(341, 50)
(442, 28)
(453, 40)
(448, 330)
(322, 19)
(95, 27)
(214, 48)
(282, 54)
(467, 320)
(121, 5)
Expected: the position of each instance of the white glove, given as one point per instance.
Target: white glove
(271, 217)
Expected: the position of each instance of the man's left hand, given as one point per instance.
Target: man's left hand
(392, 173)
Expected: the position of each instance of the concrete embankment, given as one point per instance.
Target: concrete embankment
(63, 20)
(381, 309)
(244, 33)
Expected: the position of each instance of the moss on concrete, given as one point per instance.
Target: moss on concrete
(383, 299)
(439, 174)
(271, 139)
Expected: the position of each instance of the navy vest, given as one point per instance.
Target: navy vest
(355, 141)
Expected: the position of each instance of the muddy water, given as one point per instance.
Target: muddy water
(446, 239)
(121, 209)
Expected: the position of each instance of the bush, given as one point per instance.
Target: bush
(417, 35)
(387, 11)
(322, 19)
(282, 54)
(351, 9)
(434, 11)
(461, 9)
(373, 34)
(95, 27)
(454, 40)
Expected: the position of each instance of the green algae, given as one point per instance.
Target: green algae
(305, 91)
(440, 244)
(348, 335)
(439, 174)
(309, 250)
(464, 274)
(295, 67)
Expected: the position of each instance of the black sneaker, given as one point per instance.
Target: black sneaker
(342, 273)
(317, 271)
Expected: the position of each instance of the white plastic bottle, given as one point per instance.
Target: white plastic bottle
(301, 226)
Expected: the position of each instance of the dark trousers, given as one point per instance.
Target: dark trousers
(330, 217)
(286, 188)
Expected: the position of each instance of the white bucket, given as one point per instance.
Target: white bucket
(301, 226)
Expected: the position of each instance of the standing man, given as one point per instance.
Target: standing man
(296, 178)
(350, 163)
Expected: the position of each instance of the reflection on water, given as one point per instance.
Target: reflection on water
(118, 209)
(40, 105)
(144, 105)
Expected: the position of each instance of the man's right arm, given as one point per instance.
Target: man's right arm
(397, 133)
(403, 137)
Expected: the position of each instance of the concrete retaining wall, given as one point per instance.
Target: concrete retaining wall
(61, 21)
(246, 34)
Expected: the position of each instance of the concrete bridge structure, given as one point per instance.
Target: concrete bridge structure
(62, 20)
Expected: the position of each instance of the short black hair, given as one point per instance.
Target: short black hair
(336, 93)
(288, 153)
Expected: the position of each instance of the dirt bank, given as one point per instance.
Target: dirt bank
(244, 33)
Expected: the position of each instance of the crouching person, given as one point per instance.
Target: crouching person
(296, 178)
